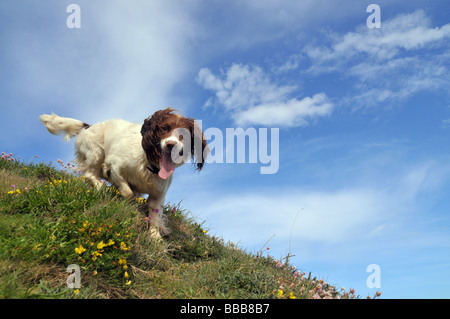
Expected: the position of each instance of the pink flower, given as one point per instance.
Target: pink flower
(13, 186)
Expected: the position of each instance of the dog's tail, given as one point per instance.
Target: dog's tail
(62, 125)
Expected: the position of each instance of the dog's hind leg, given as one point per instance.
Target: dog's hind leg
(120, 182)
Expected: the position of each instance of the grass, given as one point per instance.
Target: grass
(51, 218)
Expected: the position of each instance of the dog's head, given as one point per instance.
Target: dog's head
(170, 139)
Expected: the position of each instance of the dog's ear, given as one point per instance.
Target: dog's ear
(199, 148)
(151, 141)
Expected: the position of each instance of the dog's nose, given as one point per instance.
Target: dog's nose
(170, 145)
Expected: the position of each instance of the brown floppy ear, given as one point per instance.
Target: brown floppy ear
(151, 137)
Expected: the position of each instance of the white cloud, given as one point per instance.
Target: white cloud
(405, 56)
(125, 57)
(323, 217)
(250, 97)
(291, 113)
(404, 32)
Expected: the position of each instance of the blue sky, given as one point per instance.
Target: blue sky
(363, 117)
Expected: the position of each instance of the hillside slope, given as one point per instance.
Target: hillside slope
(51, 218)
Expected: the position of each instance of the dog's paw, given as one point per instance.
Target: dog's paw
(155, 234)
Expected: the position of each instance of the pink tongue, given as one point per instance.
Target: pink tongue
(167, 167)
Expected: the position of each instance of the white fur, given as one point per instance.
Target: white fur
(112, 150)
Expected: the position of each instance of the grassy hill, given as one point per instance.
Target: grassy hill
(51, 218)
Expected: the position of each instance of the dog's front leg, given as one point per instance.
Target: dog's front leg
(157, 219)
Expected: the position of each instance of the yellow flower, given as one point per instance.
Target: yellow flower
(18, 191)
(122, 261)
(101, 245)
(128, 283)
(204, 231)
(280, 293)
(291, 295)
(95, 254)
(80, 250)
(85, 224)
(111, 242)
(10, 192)
(125, 267)
(123, 246)
(125, 275)
(76, 291)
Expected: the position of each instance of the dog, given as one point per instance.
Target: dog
(135, 158)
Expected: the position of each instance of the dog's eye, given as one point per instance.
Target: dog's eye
(180, 138)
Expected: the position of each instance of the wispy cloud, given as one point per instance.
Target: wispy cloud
(405, 32)
(405, 56)
(126, 56)
(250, 97)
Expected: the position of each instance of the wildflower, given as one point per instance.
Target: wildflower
(280, 293)
(125, 275)
(316, 296)
(291, 295)
(76, 291)
(123, 246)
(95, 255)
(13, 186)
(125, 267)
(94, 273)
(110, 242)
(204, 231)
(378, 294)
(128, 283)
(101, 245)
(122, 261)
(85, 224)
(10, 192)
(18, 191)
(80, 250)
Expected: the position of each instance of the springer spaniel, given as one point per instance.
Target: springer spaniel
(136, 158)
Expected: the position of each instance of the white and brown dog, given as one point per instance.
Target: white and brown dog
(136, 158)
